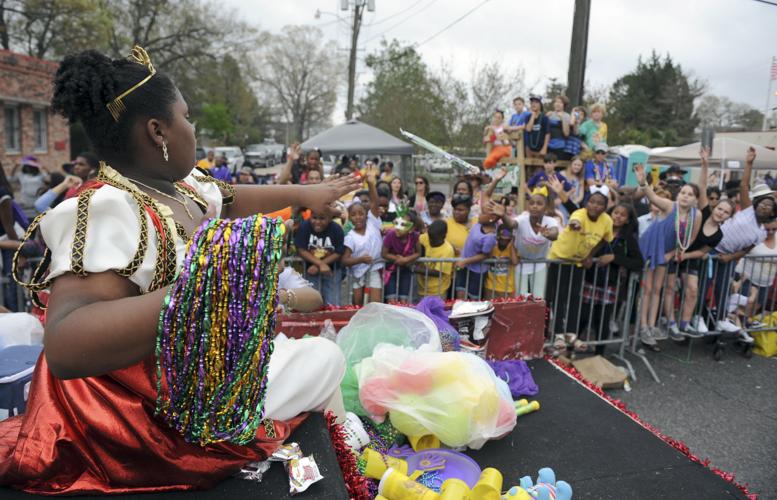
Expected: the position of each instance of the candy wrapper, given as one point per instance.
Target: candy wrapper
(303, 472)
(254, 471)
(286, 452)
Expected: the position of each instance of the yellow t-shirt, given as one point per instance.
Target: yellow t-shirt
(576, 245)
(457, 234)
(206, 164)
(501, 276)
(435, 285)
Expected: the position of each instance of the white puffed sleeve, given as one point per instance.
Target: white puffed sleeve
(113, 234)
(209, 191)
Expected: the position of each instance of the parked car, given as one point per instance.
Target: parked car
(256, 156)
(235, 158)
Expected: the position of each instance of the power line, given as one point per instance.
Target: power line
(392, 16)
(453, 23)
(401, 22)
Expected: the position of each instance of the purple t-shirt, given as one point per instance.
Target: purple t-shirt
(478, 242)
(398, 247)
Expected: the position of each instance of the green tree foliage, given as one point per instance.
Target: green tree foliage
(653, 105)
(224, 105)
(200, 45)
(216, 121)
(44, 28)
(403, 94)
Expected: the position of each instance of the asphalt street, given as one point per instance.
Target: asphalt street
(725, 410)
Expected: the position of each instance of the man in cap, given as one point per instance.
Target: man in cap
(741, 233)
(597, 172)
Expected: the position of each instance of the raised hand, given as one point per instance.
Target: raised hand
(704, 155)
(639, 173)
(319, 196)
(555, 184)
(495, 208)
(295, 152)
(750, 155)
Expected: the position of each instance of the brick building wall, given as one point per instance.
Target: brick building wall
(25, 96)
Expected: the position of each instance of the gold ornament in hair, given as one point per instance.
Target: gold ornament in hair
(140, 56)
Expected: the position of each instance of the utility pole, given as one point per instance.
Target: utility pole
(358, 12)
(578, 52)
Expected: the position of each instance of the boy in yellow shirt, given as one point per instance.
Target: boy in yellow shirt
(435, 278)
(500, 281)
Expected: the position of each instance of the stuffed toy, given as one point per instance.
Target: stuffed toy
(547, 488)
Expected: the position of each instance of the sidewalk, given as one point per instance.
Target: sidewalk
(725, 411)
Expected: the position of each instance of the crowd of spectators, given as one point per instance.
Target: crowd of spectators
(579, 230)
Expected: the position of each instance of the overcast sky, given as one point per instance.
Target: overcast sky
(728, 43)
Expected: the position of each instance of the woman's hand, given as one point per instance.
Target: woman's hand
(325, 269)
(639, 173)
(704, 155)
(295, 152)
(366, 259)
(318, 197)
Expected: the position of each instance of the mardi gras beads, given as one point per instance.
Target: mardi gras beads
(214, 336)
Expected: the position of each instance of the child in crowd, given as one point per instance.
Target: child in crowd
(594, 130)
(459, 224)
(435, 200)
(549, 170)
(606, 282)
(500, 281)
(362, 254)
(319, 242)
(386, 217)
(496, 140)
(400, 251)
(588, 230)
(470, 273)
(535, 232)
(435, 278)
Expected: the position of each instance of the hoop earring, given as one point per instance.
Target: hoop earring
(164, 151)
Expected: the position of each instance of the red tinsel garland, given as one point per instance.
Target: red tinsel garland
(678, 445)
(355, 483)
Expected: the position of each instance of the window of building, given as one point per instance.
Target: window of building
(13, 129)
(40, 126)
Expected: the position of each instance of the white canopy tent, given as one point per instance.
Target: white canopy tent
(727, 153)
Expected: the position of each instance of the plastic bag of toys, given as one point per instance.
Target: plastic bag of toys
(454, 396)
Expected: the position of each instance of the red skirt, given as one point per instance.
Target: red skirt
(99, 435)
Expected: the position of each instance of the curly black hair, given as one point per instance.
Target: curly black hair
(86, 82)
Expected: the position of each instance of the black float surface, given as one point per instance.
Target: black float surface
(593, 446)
(601, 452)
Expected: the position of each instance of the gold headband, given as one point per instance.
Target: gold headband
(140, 56)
